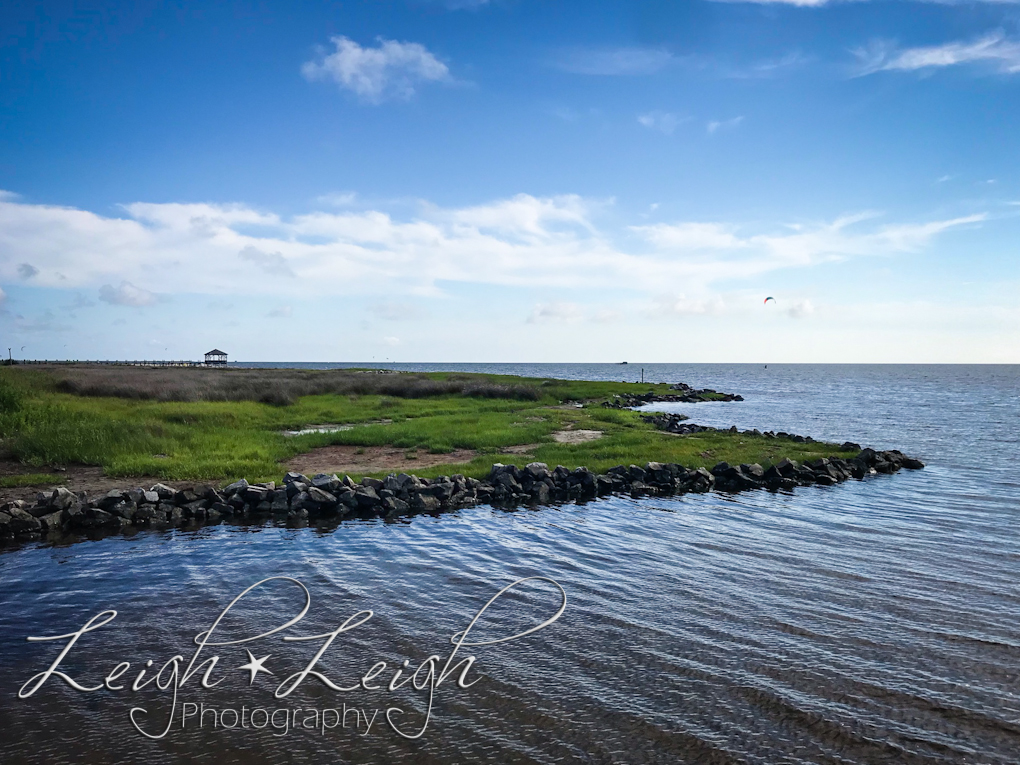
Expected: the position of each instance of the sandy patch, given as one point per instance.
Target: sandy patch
(576, 436)
(519, 449)
(357, 460)
(332, 428)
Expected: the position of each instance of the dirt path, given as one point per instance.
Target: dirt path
(76, 478)
(357, 460)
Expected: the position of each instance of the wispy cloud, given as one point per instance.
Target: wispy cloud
(555, 312)
(680, 305)
(27, 270)
(664, 122)
(338, 199)
(799, 309)
(271, 262)
(398, 310)
(691, 236)
(529, 242)
(994, 48)
(127, 294)
(613, 61)
(391, 70)
(283, 312)
(715, 126)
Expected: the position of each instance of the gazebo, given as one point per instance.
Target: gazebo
(215, 356)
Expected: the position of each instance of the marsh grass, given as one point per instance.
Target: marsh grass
(280, 387)
(151, 432)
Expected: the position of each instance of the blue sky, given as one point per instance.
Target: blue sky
(511, 180)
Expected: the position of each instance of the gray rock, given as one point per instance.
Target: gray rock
(540, 493)
(537, 470)
(164, 492)
(123, 509)
(395, 507)
(22, 522)
(367, 497)
(329, 483)
(236, 487)
(145, 515)
(255, 494)
(53, 521)
(424, 503)
(111, 498)
(321, 497)
(95, 517)
(62, 498)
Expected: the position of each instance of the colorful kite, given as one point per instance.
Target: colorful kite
(768, 299)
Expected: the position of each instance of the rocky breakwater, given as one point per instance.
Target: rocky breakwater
(677, 423)
(300, 499)
(685, 395)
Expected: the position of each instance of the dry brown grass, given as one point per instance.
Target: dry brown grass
(270, 386)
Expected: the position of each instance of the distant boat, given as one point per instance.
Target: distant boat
(623, 362)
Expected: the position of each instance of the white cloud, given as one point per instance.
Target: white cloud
(283, 312)
(681, 305)
(398, 310)
(524, 241)
(664, 122)
(3, 296)
(271, 262)
(716, 125)
(127, 294)
(606, 316)
(613, 61)
(690, 236)
(800, 309)
(993, 48)
(338, 199)
(392, 70)
(555, 312)
(391, 341)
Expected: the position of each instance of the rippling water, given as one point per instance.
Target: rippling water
(869, 622)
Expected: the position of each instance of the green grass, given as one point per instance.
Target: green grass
(226, 440)
(30, 479)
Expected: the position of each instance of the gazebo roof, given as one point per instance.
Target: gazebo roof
(216, 352)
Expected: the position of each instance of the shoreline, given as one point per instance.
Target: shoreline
(300, 500)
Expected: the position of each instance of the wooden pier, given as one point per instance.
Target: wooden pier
(66, 362)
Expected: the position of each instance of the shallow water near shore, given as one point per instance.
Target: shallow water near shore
(873, 621)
